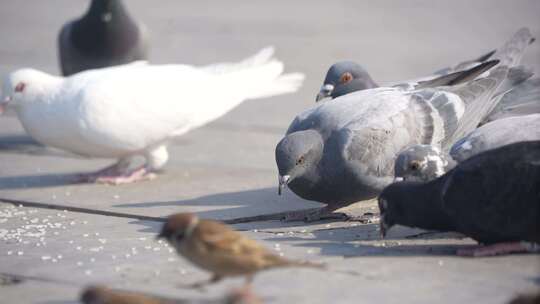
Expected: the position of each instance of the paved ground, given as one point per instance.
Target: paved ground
(226, 170)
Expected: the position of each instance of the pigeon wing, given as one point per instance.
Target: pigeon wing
(489, 206)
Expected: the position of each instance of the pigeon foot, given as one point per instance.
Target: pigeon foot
(113, 176)
(366, 218)
(315, 215)
(499, 249)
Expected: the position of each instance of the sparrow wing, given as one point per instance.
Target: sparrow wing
(236, 248)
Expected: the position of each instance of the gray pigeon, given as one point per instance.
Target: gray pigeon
(105, 36)
(344, 77)
(422, 163)
(426, 162)
(492, 197)
(343, 151)
(496, 134)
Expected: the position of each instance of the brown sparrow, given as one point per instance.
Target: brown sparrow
(220, 250)
(104, 295)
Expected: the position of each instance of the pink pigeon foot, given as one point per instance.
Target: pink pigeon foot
(498, 249)
(113, 175)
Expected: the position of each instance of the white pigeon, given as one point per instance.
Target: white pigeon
(134, 109)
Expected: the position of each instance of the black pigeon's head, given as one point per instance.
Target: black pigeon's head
(106, 29)
(420, 163)
(296, 154)
(414, 204)
(345, 77)
(391, 207)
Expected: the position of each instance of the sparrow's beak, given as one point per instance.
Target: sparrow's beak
(283, 181)
(161, 235)
(326, 90)
(383, 226)
(4, 103)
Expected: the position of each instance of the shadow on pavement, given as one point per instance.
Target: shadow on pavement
(249, 206)
(24, 144)
(36, 181)
(403, 241)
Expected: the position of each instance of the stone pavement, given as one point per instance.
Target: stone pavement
(226, 170)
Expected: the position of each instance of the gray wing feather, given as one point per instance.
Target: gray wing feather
(458, 77)
(477, 96)
(372, 150)
(511, 52)
(497, 134)
(522, 100)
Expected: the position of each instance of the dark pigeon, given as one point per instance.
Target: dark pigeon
(343, 151)
(493, 197)
(105, 36)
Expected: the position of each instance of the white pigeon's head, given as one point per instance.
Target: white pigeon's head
(22, 86)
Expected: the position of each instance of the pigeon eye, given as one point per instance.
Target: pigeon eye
(345, 77)
(300, 160)
(20, 87)
(179, 237)
(415, 165)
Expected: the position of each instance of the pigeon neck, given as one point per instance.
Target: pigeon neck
(422, 206)
(105, 29)
(40, 91)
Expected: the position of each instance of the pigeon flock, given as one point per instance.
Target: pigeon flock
(458, 150)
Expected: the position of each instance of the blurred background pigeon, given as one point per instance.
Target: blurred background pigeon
(105, 35)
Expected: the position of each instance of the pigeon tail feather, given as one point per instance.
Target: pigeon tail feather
(259, 76)
(511, 52)
(482, 95)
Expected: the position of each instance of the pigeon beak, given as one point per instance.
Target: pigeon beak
(3, 104)
(326, 90)
(383, 227)
(283, 181)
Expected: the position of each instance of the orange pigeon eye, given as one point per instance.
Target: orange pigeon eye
(345, 77)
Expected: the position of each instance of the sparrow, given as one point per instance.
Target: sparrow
(219, 249)
(104, 295)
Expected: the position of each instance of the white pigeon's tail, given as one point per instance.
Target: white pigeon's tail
(259, 76)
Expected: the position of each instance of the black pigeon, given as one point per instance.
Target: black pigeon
(492, 197)
(105, 36)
